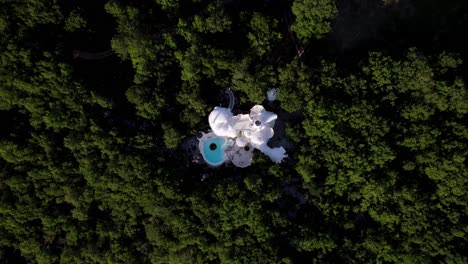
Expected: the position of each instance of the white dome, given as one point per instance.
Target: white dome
(242, 157)
(272, 94)
(261, 117)
(221, 122)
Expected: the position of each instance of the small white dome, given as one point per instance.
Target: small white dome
(272, 94)
(242, 157)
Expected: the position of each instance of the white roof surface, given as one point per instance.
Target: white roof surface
(252, 130)
(221, 122)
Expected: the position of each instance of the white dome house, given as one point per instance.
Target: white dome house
(234, 137)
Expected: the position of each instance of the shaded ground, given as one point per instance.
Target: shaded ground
(363, 22)
(395, 25)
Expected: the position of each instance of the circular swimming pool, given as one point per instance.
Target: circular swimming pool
(213, 150)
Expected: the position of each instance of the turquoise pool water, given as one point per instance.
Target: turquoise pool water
(213, 151)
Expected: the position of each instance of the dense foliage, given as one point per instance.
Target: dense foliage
(99, 98)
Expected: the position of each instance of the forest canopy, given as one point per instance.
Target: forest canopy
(100, 101)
